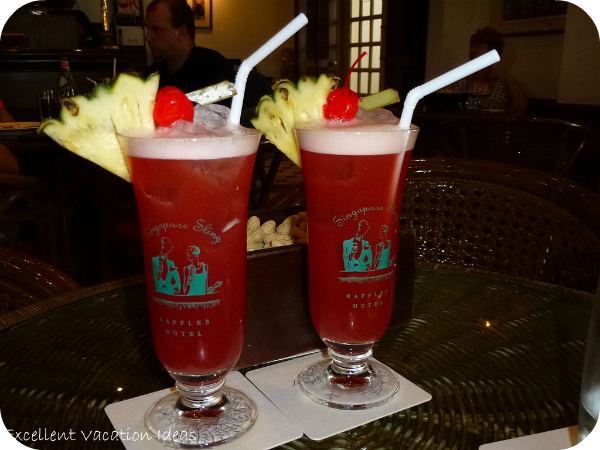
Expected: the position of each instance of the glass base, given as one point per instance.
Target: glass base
(375, 385)
(177, 425)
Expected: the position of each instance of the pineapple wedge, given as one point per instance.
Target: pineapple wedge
(276, 120)
(308, 96)
(88, 126)
(290, 104)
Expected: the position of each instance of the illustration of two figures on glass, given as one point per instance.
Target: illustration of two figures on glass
(168, 280)
(358, 252)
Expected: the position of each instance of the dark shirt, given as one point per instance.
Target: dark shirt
(202, 68)
(205, 67)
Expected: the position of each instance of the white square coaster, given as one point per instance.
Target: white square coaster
(318, 422)
(559, 439)
(271, 428)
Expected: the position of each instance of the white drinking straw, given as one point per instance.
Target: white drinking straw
(249, 63)
(417, 93)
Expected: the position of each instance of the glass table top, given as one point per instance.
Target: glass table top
(501, 356)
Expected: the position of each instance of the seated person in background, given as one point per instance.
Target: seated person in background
(8, 162)
(170, 33)
(491, 88)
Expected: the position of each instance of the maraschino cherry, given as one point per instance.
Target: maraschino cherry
(342, 102)
(172, 105)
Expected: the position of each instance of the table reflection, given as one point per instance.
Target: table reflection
(501, 356)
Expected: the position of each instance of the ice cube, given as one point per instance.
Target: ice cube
(182, 129)
(378, 115)
(212, 117)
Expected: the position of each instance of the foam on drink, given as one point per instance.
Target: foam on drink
(371, 133)
(175, 144)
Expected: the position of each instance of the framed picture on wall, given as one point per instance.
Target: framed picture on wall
(525, 17)
(129, 12)
(202, 10)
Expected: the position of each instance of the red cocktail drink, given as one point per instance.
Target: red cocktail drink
(352, 282)
(354, 179)
(192, 196)
(194, 256)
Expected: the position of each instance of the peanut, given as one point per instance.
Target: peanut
(253, 223)
(255, 235)
(280, 242)
(254, 246)
(269, 226)
(285, 226)
(269, 238)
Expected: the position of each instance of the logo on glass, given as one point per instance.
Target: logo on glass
(363, 260)
(360, 256)
(194, 279)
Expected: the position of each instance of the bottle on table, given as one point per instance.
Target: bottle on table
(66, 83)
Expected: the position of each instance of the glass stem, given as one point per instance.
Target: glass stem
(201, 397)
(350, 364)
(200, 391)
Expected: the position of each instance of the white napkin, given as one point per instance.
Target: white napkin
(271, 428)
(318, 421)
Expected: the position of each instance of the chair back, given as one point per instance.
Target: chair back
(27, 216)
(551, 145)
(503, 218)
(26, 280)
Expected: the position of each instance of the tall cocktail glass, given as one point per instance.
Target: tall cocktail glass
(192, 198)
(354, 180)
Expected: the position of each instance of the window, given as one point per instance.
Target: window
(337, 32)
(365, 34)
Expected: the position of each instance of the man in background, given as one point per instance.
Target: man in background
(170, 33)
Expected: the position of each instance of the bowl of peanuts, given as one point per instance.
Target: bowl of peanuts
(269, 233)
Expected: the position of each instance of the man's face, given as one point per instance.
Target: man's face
(162, 38)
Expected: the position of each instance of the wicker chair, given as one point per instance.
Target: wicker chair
(25, 281)
(550, 145)
(503, 218)
(27, 216)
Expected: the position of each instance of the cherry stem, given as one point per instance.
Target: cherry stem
(347, 79)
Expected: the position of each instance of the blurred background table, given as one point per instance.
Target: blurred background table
(502, 357)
